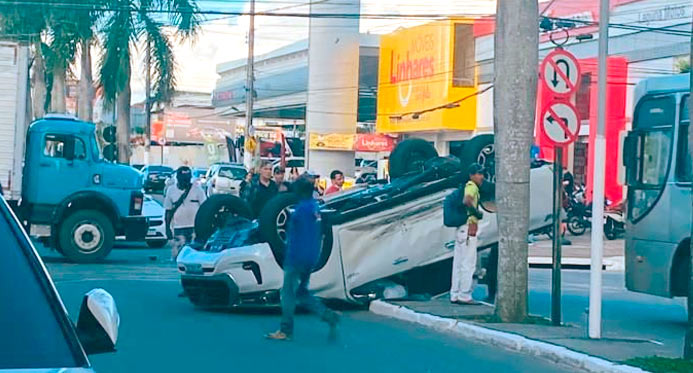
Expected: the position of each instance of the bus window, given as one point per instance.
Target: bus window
(684, 166)
(653, 124)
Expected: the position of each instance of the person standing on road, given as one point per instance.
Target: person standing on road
(464, 259)
(262, 189)
(337, 179)
(302, 255)
(181, 204)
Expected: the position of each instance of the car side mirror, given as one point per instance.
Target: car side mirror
(69, 148)
(98, 322)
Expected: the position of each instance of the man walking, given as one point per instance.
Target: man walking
(302, 254)
(181, 203)
(262, 189)
(337, 179)
(464, 260)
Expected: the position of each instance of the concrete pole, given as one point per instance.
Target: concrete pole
(249, 159)
(597, 252)
(333, 79)
(148, 103)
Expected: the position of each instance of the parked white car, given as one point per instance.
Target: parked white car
(225, 179)
(373, 236)
(156, 234)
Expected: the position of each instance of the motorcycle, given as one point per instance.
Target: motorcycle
(614, 224)
(579, 213)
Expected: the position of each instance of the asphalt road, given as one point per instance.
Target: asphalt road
(160, 332)
(626, 315)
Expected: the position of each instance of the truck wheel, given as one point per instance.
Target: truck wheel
(274, 223)
(215, 210)
(410, 156)
(86, 236)
(480, 149)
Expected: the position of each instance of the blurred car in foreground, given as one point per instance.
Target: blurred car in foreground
(37, 334)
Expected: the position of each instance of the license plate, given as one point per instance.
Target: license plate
(194, 268)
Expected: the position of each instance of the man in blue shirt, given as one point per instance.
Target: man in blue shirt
(302, 255)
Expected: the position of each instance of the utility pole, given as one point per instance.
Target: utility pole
(688, 343)
(148, 103)
(515, 95)
(597, 245)
(250, 151)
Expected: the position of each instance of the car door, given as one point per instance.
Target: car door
(392, 241)
(63, 167)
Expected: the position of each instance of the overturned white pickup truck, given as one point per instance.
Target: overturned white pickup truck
(373, 235)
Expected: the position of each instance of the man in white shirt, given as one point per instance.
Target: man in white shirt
(181, 204)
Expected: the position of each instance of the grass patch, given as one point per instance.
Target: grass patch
(493, 319)
(658, 364)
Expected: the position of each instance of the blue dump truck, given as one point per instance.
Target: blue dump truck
(54, 176)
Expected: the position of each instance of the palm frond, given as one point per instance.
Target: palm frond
(163, 60)
(184, 16)
(114, 64)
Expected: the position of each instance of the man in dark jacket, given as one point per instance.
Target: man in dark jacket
(302, 255)
(262, 189)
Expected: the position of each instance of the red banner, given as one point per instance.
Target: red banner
(373, 143)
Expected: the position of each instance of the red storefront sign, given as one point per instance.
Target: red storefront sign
(373, 143)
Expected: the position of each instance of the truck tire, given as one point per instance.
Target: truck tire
(480, 149)
(86, 236)
(215, 210)
(273, 224)
(410, 156)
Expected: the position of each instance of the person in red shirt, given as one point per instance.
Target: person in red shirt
(337, 179)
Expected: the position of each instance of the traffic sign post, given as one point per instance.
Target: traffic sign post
(560, 125)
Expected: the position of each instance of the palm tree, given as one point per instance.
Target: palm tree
(131, 23)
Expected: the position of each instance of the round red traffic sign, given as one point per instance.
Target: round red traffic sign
(560, 72)
(560, 123)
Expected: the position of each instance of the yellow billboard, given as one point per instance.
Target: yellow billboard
(332, 141)
(423, 68)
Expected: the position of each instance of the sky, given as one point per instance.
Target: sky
(223, 38)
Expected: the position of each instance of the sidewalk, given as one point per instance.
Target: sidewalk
(577, 255)
(567, 345)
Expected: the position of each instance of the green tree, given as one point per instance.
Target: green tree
(131, 23)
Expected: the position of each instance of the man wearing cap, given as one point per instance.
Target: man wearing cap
(464, 259)
(181, 204)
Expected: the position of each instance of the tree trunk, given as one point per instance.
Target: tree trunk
(85, 109)
(515, 86)
(38, 83)
(688, 342)
(123, 124)
(59, 89)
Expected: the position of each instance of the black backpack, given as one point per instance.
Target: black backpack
(454, 211)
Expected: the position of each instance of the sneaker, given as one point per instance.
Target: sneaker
(470, 302)
(278, 336)
(565, 241)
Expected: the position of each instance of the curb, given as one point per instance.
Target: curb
(557, 354)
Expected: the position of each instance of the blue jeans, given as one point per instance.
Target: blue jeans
(295, 290)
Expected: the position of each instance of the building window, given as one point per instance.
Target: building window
(582, 98)
(463, 57)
